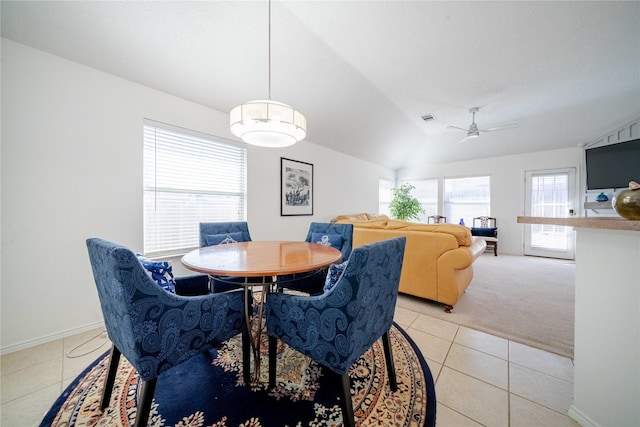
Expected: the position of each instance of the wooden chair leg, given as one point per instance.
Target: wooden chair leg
(347, 404)
(273, 346)
(495, 249)
(147, 390)
(388, 356)
(114, 358)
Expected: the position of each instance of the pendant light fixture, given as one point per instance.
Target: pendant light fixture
(267, 123)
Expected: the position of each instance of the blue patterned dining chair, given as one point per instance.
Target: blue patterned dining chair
(153, 328)
(340, 325)
(214, 233)
(211, 234)
(340, 236)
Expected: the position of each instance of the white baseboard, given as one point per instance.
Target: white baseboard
(48, 338)
(579, 417)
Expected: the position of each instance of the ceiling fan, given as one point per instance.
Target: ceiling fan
(474, 132)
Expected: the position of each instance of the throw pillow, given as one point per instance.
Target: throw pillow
(327, 239)
(333, 275)
(223, 238)
(484, 232)
(160, 271)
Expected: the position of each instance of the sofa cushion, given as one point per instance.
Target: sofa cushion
(460, 232)
(484, 232)
(374, 223)
(223, 238)
(376, 216)
(327, 239)
(358, 217)
(394, 224)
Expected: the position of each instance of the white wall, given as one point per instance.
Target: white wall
(607, 329)
(72, 169)
(507, 185)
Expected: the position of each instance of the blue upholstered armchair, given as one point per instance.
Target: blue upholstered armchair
(155, 329)
(216, 233)
(345, 231)
(339, 326)
(212, 232)
(339, 236)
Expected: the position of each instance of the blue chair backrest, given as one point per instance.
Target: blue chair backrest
(345, 230)
(222, 228)
(370, 285)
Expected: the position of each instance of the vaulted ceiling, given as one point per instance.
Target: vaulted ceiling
(365, 72)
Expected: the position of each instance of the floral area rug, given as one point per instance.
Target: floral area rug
(208, 390)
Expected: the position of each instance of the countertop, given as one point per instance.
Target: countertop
(610, 223)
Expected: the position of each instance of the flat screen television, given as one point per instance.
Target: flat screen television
(613, 166)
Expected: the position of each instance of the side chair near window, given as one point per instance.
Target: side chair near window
(340, 236)
(153, 328)
(487, 228)
(340, 325)
(436, 219)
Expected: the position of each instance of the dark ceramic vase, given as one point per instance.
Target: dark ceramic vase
(627, 203)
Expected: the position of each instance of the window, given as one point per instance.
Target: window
(188, 178)
(384, 196)
(466, 198)
(426, 191)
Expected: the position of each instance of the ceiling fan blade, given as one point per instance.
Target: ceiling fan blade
(503, 127)
(457, 128)
(467, 138)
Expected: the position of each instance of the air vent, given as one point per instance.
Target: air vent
(428, 117)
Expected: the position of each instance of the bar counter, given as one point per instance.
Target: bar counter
(606, 385)
(608, 223)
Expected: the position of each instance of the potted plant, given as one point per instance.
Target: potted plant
(404, 206)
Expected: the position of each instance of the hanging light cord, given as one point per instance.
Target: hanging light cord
(269, 38)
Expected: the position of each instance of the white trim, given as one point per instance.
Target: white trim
(48, 338)
(577, 415)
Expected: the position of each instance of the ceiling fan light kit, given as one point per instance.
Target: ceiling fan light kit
(267, 123)
(473, 131)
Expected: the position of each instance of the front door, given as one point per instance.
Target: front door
(550, 193)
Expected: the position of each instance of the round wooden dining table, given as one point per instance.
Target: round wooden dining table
(266, 259)
(260, 258)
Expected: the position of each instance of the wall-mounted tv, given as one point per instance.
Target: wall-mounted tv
(613, 166)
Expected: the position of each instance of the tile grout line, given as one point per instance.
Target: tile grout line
(509, 395)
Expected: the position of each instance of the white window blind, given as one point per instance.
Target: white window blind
(188, 178)
(550, 198)
(385, 195)
(467, 198)
(426, 191)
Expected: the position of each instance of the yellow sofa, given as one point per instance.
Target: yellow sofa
(438, 258)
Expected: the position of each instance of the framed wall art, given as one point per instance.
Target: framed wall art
(296, 187)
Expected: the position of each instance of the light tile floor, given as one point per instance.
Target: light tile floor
(481, 380)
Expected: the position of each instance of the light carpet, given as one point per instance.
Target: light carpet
(530, 300)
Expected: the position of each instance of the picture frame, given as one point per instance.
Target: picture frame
(296, 187)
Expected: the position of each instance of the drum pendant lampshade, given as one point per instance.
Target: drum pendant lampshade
(268, 124)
